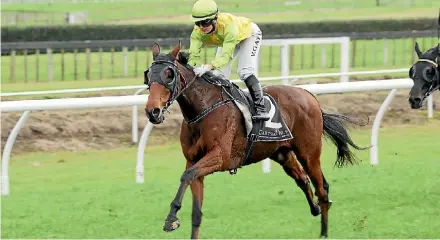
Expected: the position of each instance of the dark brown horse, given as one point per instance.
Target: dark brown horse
(426, 75)
(215, 140)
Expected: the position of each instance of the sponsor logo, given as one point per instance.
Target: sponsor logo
(255, 47)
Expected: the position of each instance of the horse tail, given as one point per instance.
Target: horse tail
(336, 130)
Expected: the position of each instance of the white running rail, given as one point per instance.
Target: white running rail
(117, 101)
(141, 88)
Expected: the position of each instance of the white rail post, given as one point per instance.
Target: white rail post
(385, 51)
(374, 150)
(49, 64)
(284, 62)
(125, 61)
(430, 106)
(345, 56)
(7, 152)
(140, 153)
(324, 56)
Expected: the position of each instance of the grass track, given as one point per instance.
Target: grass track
(93, 195)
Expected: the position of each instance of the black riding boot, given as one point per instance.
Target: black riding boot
(254, 87)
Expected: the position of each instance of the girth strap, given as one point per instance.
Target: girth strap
(253, 136)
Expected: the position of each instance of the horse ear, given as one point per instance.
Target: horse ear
(175, 52)
(417, 49)
(155, 49)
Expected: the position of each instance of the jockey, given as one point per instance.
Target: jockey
(235, 37)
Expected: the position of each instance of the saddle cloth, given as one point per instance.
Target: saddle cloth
(274, 129)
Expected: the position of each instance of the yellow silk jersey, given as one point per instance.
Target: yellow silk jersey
(229, 31)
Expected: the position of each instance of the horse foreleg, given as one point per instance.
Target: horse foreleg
(292, 167)
(197, 193)
(210, 163)
(172, 222)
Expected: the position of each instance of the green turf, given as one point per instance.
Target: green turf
(177, 11)
(93, 194)
(366, 54)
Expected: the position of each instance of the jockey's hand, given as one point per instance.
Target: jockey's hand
(199, 71)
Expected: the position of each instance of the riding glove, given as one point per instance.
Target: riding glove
(199, 71)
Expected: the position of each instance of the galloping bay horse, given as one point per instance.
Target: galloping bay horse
(214, 136)
(426, 75)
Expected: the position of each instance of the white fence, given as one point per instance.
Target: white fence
(284, 43)
(100, 102)
(140, 88)
(126, 63)
(287, 78)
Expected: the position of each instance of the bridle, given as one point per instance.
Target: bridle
(172, 86)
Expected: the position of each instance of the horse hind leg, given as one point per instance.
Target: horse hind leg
(327, 190)
(313, 169)
(325, 183)
(292, 168)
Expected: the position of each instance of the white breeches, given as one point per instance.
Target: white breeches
(247, 52)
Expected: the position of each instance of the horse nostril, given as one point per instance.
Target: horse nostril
(155, 112)
(415, 100)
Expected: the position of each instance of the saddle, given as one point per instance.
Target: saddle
(274, 129)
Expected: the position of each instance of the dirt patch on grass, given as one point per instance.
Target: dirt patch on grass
(77, 130)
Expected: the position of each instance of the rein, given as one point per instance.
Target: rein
(432, 89)
(168, 104)
(205, 112)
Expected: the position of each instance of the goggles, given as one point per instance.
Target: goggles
(204, 23)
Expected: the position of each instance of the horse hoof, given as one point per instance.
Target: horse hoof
(316, 210)
(171, 225)
(323, 236)
(330, 202)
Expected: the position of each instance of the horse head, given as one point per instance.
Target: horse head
(166, 78)
(425, 74)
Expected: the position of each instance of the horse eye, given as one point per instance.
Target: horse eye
(170, 74)
(430, 72)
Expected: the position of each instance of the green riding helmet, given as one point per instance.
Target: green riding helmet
(203, 10)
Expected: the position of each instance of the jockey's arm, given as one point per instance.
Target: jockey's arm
(195, 47)
(228, 48)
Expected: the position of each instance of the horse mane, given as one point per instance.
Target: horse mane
(209, 76)
(183, 59)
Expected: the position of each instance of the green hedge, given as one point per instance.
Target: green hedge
(115, 32)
